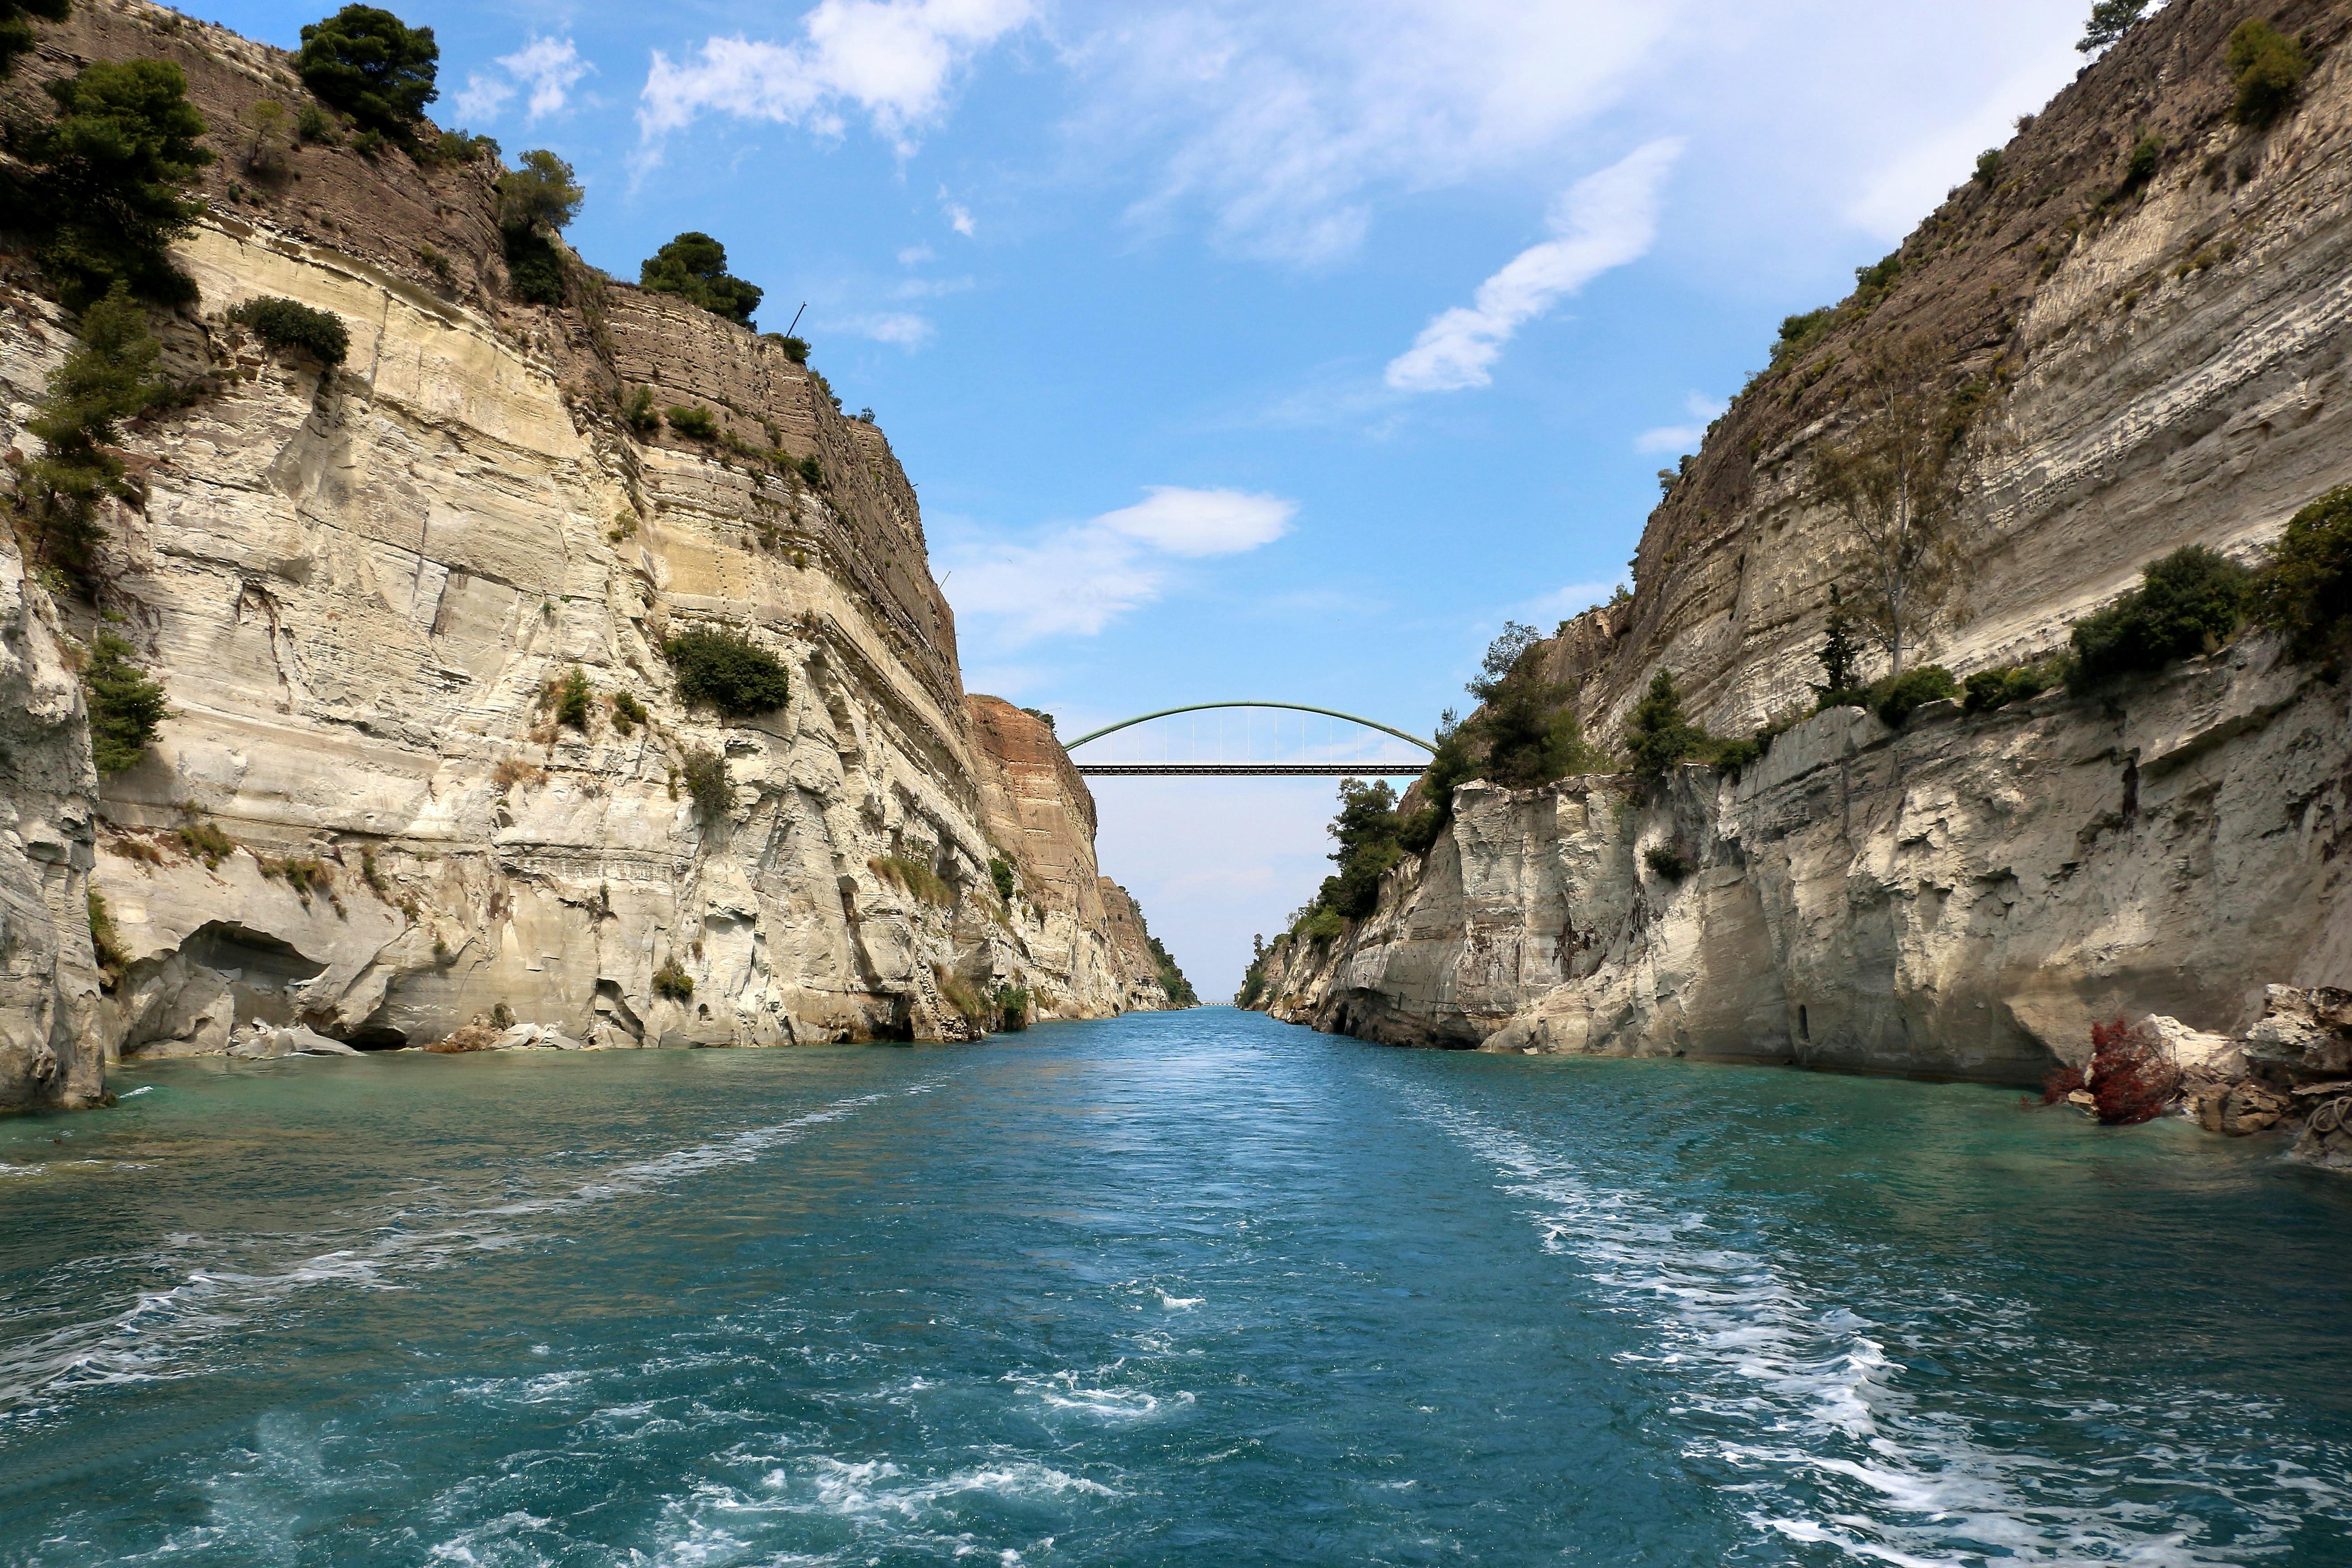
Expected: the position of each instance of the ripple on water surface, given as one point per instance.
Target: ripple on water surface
(1190, 1288)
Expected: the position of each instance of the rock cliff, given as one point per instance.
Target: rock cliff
(361, 588)
(2148, 361)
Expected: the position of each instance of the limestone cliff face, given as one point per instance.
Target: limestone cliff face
(359, 587)
(2156, 368)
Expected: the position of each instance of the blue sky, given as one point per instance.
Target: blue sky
(1275, 351)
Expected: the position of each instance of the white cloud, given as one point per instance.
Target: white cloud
(906, 330)
(1202, 523)
(1604, 220)
(960, 220)
(550, 67)
(1704, 409)
(1075, 581)
(1561, 604)
(483, 96)
(914, 256)
(1285, 122)
(894, 60)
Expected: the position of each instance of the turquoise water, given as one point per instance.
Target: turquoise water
(1193, 1288)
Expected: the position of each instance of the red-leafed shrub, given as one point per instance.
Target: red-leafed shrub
(2131, 1080)
(2059, 1084)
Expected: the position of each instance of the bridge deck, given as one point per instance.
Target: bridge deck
(1373, 770)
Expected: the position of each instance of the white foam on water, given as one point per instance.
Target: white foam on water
(1798, 1392)
(162, 1334)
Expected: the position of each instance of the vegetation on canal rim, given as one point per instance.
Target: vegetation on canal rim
(694, 268)
(373, 67)
(1172, 979)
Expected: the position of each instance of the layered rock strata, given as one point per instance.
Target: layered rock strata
(2137, 366)
(361, 588)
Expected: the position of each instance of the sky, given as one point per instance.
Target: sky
(1276, 352)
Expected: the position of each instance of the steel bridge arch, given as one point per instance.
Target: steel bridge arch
(1293, 707)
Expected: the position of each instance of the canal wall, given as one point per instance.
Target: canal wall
(363, 589)
(2132, 362)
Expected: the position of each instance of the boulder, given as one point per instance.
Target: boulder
(2304, 1035)
(2326, 1140)
(267, 1040)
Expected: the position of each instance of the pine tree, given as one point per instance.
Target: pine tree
(1841, 653)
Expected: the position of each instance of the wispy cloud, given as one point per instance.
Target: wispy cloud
(892, 60)
(549, 68)
(1604, 220)
(905, 329)
(1075, 581)
(1288, 123)
(1702, 408)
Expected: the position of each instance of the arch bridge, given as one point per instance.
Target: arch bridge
(1340, 755)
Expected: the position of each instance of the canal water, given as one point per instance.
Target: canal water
(1190, 1287)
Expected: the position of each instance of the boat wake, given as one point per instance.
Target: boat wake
(1798, 1409)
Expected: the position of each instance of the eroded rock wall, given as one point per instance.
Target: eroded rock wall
(1961, 898)
(359, 586)
(2151, 367)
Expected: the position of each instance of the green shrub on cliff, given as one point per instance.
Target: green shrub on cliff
(2265, 66)
(1000, 871)
(2188, 603)
(103, 194)
(571, 698)
(2306, 589)
(289, 324)
(1988, 689)
(2110, 20)
(706, 783)
(672, 981)
(372, 66)
(729, 671)
(694, 424)
(1895, 699)
(127, 707)
(1657, 735)
(107, 378)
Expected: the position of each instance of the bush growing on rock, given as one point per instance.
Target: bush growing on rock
(2306, 589)
(914, 877)
(106, 379)
(571, 699)
(706, 783)
(1000, 871)
(289, 324)
(1172, 979)
(694, 424)
(127, 707)
(1668, 861)
(1896, 698)
(2188, 603)
(2265, 66)
(372, 66)
(104, 192)
(1657, 735)
(1992, 689)
(2110, 20)
(672, 981)
(628, 713)
(694, 267)
(729, 671)
(640, 413)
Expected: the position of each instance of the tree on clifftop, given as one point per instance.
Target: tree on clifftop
(372, 66)
(1898, 485)
(694, 267)
(2110, 20)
